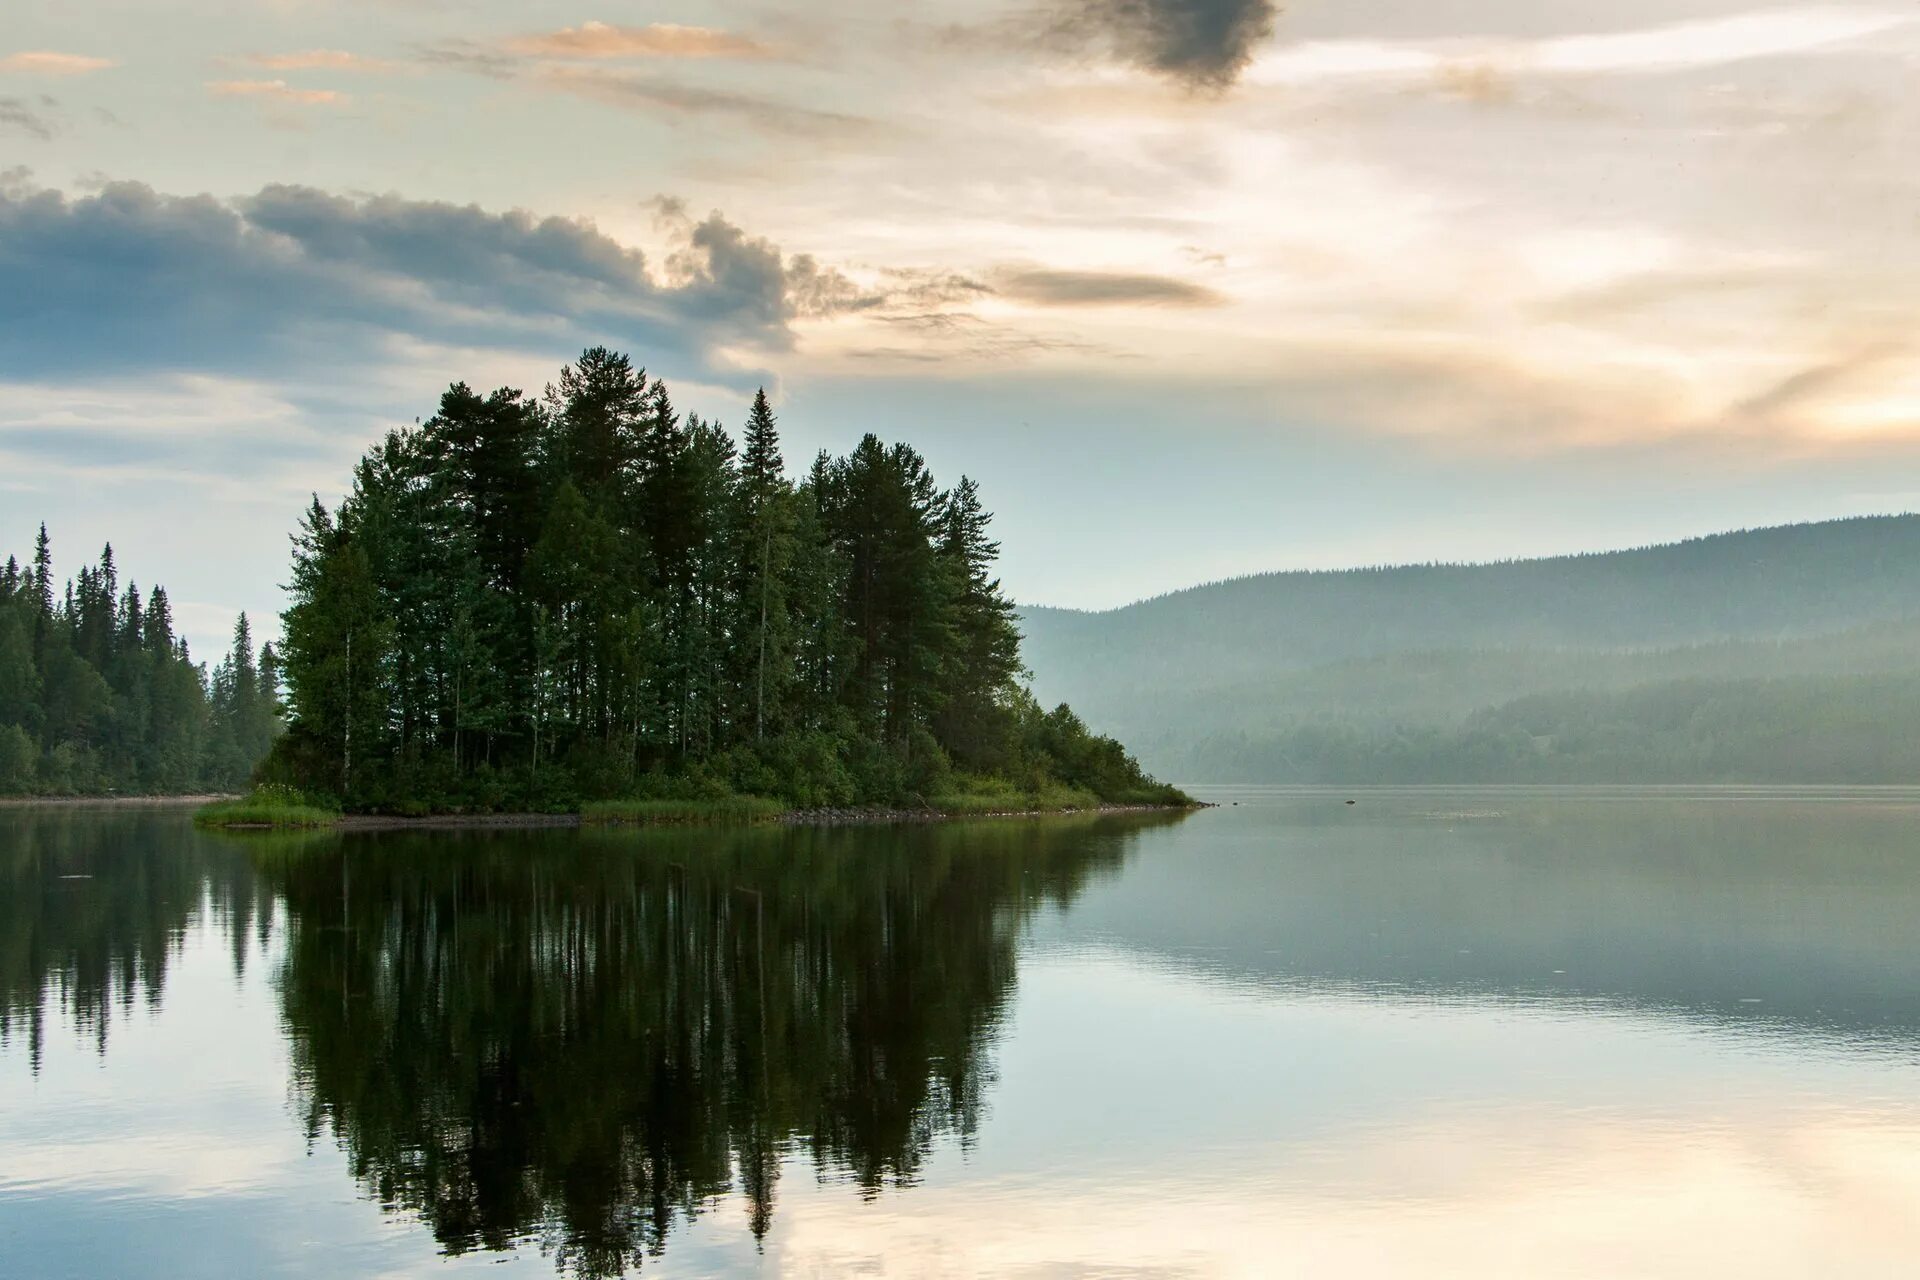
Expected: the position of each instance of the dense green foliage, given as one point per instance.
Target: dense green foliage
(535, 603)
(98, 695)
(1781, 655)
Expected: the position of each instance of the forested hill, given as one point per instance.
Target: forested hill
(1789, 581)
(1325, 675)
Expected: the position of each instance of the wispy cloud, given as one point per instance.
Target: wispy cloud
(276, 91)
(1452, 64)
(657, 40)
(322, 60)
(658, 95)
(1050, 288)
(46, 62)
(21, 115)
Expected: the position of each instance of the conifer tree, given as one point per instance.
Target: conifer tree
(978, 681)
(763, 565)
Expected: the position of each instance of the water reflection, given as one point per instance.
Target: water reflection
(95, 903)
(583, 1039)
(1645, 1035)
(1777, 915)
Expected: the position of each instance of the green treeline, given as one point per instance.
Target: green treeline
(98, 695)
(534, 603)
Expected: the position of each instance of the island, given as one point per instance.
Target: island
(588, 602)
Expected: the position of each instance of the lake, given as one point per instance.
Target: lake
(1438, 1032)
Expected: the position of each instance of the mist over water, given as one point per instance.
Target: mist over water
(1458, 1031)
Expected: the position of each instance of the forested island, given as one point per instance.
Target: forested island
(98, 696)
(588, 599)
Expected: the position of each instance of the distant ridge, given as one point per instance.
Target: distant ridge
(1758, 536)
(1172, 665)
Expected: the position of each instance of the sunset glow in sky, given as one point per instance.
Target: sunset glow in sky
(1193, 287)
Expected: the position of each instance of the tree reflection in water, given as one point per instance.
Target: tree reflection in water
(581, 1038)
(96, 903)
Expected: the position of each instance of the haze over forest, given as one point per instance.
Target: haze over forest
(1788, 655)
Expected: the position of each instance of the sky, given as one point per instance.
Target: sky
(1193, 288)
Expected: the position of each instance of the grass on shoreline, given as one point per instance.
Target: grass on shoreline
(730, 809)
(979, 798)
(280, 807)
(269, 806)
(971, 795)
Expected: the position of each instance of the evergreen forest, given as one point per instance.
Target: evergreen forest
(535, 603)
(98, 696)
(1779, 655)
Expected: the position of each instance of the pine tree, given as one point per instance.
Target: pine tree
(763, 555)
(975, 722)
(42, 593)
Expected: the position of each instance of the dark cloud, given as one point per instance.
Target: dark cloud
(1104, 289)
(1204, 44)
(293, 278)
(25, 117)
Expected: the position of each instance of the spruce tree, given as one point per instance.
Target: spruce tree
(763, 554)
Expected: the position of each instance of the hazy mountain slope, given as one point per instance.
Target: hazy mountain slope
(1252, 670)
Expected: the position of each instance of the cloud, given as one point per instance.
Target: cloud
(1711, 42)
(554, 63)
(635, 91)
(18, 113)
(471, 56)
(1473, 67)
(657, 40)
(1048, 288)
(728, 271)
(293, 278)
(321, 60)
(48, 63)
(276, 91)
(1204, 44)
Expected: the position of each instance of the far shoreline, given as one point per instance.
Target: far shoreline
(113, 802)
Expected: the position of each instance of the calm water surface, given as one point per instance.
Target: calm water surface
(1437, 1032)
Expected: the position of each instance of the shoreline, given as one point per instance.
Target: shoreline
(111, 802)
(372, 822)
(375, 822)
(788, 818)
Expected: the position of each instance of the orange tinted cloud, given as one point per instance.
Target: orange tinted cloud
(278, 90)
(656, 40)
(319, 60)
(48, 63)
